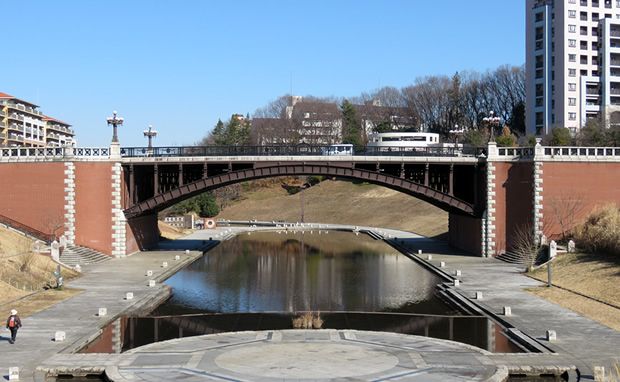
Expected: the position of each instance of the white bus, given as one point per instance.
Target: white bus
(339, 149)
(403, 141)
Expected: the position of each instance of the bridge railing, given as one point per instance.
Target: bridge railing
(294, 150)
(53, 152)
(592, 152)
(18, 152)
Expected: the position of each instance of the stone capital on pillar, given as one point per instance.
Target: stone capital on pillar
(115, 151)
(492, 152)
(538, 150)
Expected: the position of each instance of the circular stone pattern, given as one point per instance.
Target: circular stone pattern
(294, 360)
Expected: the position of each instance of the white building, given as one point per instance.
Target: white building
(23, 124)
(572, 63)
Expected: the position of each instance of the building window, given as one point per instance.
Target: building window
(572, 43)
(572, 72)
(572, 28)
(572, 102)
(572, 1)
(572, 57)
(572, 116)
(572, 86)
(571, 14)
(539, 16)
(594, 45)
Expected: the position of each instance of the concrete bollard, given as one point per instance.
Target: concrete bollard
(164, 264)
(429, 257)
(507, 311)
(102, 312)
(442, 264)
(151, 283)
(129, 296)
(59, 336)
(420, 252)
(478, 295)
(149, 273)
(13, 373)
(457, 272)
(457, 283)
(77, 268)
(551, 335)
(177, 257)
(187, 250)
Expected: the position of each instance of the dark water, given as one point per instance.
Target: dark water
(270, 272)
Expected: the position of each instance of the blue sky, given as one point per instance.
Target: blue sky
(181, 65)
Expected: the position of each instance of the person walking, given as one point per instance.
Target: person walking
(13, 323)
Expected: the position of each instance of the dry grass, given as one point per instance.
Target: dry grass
(601, 231)
(594, 276)
(308, 320)
(340, 202)
(594, 310)
(40, 301)
(169, 232)
(23, 272)
(597, 277)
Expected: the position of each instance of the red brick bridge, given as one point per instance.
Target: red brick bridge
(108, 198)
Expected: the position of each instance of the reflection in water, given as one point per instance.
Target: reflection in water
(266, 271)
(139, 331)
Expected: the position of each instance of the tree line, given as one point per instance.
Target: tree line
(435, 104)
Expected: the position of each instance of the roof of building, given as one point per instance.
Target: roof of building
(316, 109)
(8, 96)
(51, 119)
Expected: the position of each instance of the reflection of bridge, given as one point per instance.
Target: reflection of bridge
(108, 198)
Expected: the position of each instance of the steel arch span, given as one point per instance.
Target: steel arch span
(166, 199)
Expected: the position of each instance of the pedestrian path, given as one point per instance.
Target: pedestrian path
(104, 285)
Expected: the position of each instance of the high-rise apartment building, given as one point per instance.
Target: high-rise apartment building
(23, 124)
(572, 63)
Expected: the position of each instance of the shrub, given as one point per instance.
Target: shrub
(601, 231)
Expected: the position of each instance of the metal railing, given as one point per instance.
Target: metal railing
(295, 150)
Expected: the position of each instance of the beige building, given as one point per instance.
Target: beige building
(23, 124)
(572, 63)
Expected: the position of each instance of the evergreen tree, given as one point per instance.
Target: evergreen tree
(219, 133)
(351, 126)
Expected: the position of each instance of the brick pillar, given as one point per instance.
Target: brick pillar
(118, 217)
(537, 224)
(69, 202)
(489, 232)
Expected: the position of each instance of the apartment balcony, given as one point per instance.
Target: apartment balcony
(16, 127)
(61, 129)
(16, 117)
(26, 109)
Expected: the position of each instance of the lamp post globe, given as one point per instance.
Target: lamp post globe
(492, 121)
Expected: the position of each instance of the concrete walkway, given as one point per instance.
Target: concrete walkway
(581, 341)
(105, 286)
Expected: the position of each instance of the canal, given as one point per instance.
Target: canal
(270, 280)
(295, 271)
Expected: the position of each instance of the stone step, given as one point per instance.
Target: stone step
(77, 255)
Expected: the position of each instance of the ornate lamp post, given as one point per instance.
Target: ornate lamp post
(150, 134)
(492, 121)
(456, 132)
(115, 122)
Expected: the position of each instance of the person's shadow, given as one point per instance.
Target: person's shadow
(4, 338)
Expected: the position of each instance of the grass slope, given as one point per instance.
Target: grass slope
(342, 202)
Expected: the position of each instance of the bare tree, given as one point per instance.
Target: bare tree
(524, 246)
(566, 210)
